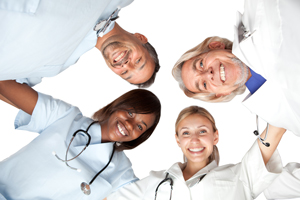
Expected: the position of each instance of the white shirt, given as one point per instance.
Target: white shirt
(271, 50)
(34, 173)
(245, 180)
(41, 38)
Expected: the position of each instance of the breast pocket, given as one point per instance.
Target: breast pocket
(23, 6)
(231, 190)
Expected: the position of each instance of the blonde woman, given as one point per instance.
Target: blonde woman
(200, 177)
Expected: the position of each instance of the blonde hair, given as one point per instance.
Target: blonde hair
(202, 112)
(196, 51)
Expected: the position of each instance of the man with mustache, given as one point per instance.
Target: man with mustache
(263, 57)
(42, 38)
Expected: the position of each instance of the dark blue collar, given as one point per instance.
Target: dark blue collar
(255, 82)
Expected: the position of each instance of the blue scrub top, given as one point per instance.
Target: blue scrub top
(34, 173)
(43, 38)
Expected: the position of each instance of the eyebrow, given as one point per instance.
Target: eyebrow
(144, 124)
(140, 68)
(129, 77)
(194, 64)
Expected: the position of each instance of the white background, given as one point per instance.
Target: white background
(172, 27)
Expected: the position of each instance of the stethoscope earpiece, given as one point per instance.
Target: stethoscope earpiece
(256, 132)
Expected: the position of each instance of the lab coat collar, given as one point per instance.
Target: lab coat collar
(176, 171)
(243, 47)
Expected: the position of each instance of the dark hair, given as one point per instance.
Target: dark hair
(154, 56)
(137, 101)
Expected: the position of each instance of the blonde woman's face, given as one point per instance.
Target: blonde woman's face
(196, 138)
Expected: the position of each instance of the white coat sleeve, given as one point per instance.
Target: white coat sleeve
(255, 175)
(135, 190)
(287, 185)
(46, 111)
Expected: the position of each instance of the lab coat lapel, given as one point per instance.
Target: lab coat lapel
(176, 171)
(243, 47)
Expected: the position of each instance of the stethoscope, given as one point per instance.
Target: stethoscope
(256, 132)
(166, 179)
(85, 188)
(102, 25)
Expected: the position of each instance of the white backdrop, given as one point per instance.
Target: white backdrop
(172, 27)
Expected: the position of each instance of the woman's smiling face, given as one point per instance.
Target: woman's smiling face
(196, 138)
(125, 126)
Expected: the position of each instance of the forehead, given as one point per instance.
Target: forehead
(194, 120)
(189, 75)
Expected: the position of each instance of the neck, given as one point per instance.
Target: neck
(104, 131)
(192, 168)
(117, 30)
(249, 73)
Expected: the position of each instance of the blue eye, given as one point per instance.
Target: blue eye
(185, 133)
(201, 64)
(138, 61)
(204, 85)
(140, 127)
(130, 114)
(203, 131)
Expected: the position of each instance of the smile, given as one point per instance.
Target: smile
(196, 150)
(222, 73)
(121, 129)
(120, 56)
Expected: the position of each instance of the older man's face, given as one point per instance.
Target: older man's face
(127, 57)
(217, 71)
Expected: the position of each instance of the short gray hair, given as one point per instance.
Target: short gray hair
(196, 51)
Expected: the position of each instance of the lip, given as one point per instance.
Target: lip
(220, 73)
(117, 54)
(196, 153)
(123, 128)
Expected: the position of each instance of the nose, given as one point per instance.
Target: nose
(195, 138)
(209, 74)
(127, 64)
(129, 125)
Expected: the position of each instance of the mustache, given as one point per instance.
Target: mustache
(121, 62)
(110, 45)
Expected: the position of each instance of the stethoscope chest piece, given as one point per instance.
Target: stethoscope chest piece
(85, 188)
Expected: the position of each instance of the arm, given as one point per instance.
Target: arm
(287, 185)
(19, 95)
(274, 136)
(261, 165)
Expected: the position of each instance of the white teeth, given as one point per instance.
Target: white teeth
(121, 130)
(120, 56)
(196, 149)
(222, 72)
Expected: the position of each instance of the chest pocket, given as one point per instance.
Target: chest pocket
(23, 6)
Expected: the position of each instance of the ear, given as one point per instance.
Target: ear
(216, 137)
(141, 37)
(177, 139)
(223, 94)
(216, 45)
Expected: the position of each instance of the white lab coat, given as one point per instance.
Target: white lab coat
(272, 50)
(245, 180)
(287, 185)
(34, 173)
(41, 38)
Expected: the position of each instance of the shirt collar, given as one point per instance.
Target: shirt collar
(254, 82)
(176, 171)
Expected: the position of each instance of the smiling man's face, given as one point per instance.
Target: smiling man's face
(126, 56)
(217, 71)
